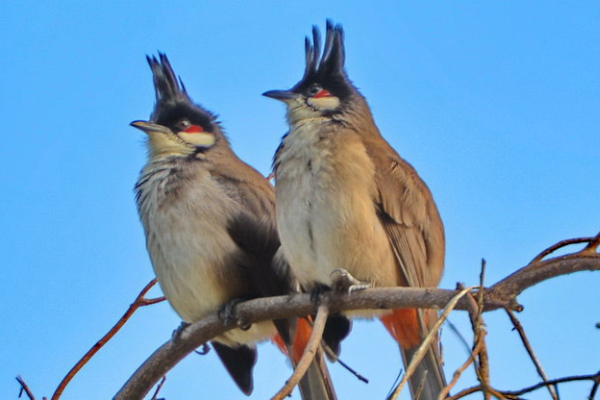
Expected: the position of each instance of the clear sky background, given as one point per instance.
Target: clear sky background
(496, 104)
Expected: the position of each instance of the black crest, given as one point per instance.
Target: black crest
(166, 85)
(331, 62)
(326, 68)
(172, 99)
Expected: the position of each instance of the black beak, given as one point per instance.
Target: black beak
(282, 95)
(148, 127)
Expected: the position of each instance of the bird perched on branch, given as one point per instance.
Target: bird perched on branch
(209, 221)
(346, 200)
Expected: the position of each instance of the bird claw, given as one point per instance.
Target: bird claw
(204, 349)
(179, 331)
(227, 314)
(344, 282)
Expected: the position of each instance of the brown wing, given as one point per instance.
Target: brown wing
(409, 216)
(416, 234)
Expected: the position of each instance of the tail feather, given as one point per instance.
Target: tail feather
(406, 328)
(428, 379)
(316, 384)
(239, 362)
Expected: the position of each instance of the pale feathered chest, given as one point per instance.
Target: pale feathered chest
(325, 195)
(185, 214)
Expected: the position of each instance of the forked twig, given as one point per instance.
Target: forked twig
(592, 247)
(24, 388)
(557, 246)
(591, 377)
(517, 324)
(516, 393)
(420, 353)
(483, 369)
(139, 301)
(308, 355)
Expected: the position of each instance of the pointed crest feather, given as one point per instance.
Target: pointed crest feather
(333, 57)
(168, 88)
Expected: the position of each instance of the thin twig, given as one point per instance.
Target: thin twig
(592, 395)
(557, 246)
(538, 366)
(308, 355)
(480, 332)
(459, 335)
(465, 392)
(479, 339)
(24, 388)
(506, 291)
(158, 387)
(591, 377)
(335, 358)
(483, 370)
(420, 353)
(139, 301)
(460, 370)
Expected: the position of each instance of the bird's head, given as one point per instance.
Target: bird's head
(177, 125)
(325, 89)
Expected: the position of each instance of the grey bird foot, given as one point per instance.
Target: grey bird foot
(344, 282)
(205, 348)
(227, 314)
(179, 331)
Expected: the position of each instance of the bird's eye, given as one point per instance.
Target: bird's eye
(183, 124)
(314, 89)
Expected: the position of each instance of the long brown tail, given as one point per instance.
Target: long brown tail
(428, 380)
(316, 383)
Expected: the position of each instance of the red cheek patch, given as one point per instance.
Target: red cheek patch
(322, 93)
(194, 129)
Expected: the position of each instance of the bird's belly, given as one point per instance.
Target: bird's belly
(188, 270)
(194, 279)
(327, 220)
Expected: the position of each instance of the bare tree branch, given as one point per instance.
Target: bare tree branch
(501, 295)
(504, 293)
(139, 301)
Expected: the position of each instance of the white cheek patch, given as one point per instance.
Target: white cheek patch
(324, 103)
(198, 138)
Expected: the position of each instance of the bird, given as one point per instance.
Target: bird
(209, 222)
(346, 201)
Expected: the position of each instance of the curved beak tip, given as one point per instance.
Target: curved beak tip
(138, 124)
(282, 95)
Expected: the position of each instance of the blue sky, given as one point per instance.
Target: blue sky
(495, 103)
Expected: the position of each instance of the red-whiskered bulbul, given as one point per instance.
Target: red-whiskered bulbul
(345, 199)
(209, 220)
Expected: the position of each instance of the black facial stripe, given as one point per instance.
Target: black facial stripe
(171, 116)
